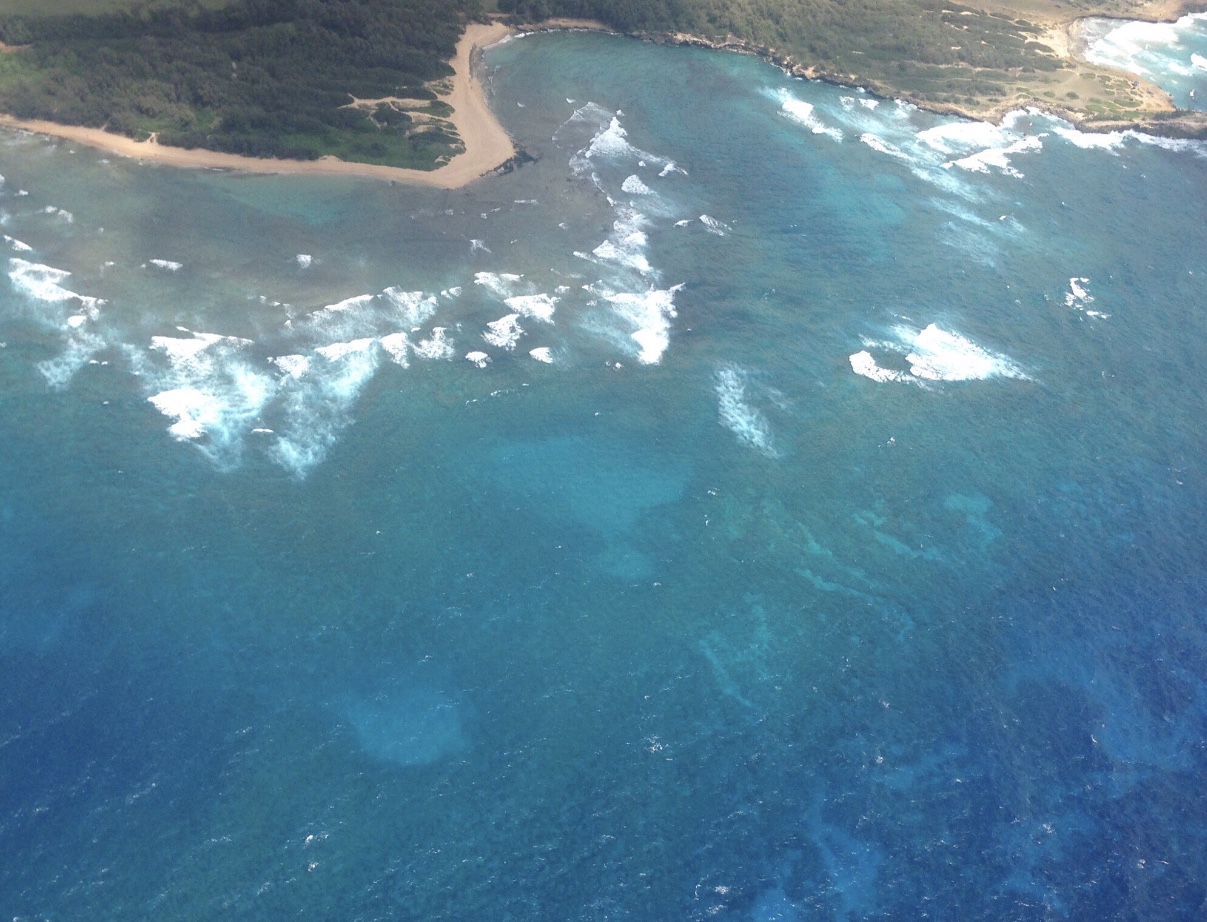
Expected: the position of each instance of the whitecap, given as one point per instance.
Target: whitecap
(960, 135)
(634, 186)
(862, 363)
(336, 351)
(19, 246)
(934, 354)
(167, 264)
(1086, 140)
(500, 284)
(539, 307)
(647, 315)
(713, 226)
(804, 114)
(396, 346)
(304, 260)
(627, 244)
(481, 359)
(317, 403)
(208, 388)
(416, 307)
(998, 157)
(43, 283)
(542, 354)
(437, 346)
(78, 350)
(293, 365)
(505, 332)
(882, 146)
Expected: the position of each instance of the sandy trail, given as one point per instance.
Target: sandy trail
(487, 145)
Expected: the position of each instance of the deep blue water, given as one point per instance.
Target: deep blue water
(837, 555)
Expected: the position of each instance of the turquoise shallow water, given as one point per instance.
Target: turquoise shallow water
(837, 555)
(1171, 54)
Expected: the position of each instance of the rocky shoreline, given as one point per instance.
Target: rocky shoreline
(1171, 122)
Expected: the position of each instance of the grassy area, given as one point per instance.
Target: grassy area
(976, 57)
(255, 77)
(273, 77)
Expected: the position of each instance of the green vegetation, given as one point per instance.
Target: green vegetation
(254, 77)
(91, 7)
(976, 57)
(276, 77)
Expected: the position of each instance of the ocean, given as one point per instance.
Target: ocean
(770, 503)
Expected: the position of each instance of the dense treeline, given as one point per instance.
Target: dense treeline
(923, 45)
(258, 77)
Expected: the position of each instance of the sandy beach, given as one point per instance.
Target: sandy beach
(487, 145)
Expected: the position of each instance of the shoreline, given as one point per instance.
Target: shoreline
(1168, 121)
(487, 145)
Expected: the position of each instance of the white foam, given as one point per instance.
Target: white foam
(542, 354)
(1198, 61)
(352, 318)
(1077, 292)
(336, 351)
(999, 157)
(396, 346)
(304, 260)
(648, 315)
(167, 264)
(738, 416)
(317, 404)
(539, 307)
(610, 142)
(882, 146)
(190, 408)
(19, 246)
(293, 365)
(42, 283)
(935, 354)
(862, 363)
(939, 355)
(1123, 45)
(634, 186)
(78, 350)
(60, 213)
(627, 244)
(478, 246)
(437, 346)
(960, 136)
(207, 388)
(804, 114)
(481, 359)
(1086, 140)
(505, 332)
(713, 226)
(500, 284)
(416, 307)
